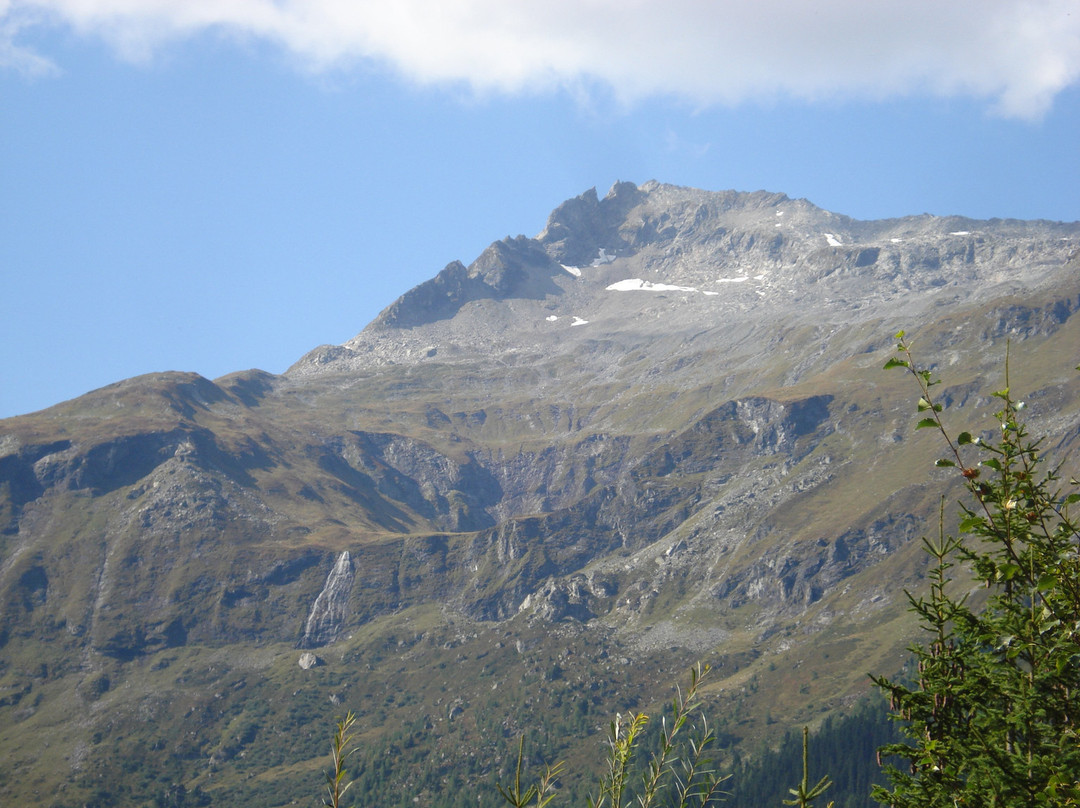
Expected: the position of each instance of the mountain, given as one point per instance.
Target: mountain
(529, 494)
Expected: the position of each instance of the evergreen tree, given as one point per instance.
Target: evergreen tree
(993, 712)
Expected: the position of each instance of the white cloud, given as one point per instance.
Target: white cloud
(1016, 53)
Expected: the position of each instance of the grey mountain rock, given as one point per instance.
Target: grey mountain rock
(685, 261)
(308, 660)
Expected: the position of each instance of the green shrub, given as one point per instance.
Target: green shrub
(992, 715)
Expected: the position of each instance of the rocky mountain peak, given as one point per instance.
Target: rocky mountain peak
(513, 267)
(654, 259)
(580, 227)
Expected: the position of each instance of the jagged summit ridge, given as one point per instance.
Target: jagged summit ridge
(689, 258)
(580, 227)
(516, 267)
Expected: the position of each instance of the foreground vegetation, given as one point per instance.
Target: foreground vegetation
(992, 715)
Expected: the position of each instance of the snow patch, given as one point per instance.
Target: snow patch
(638, 285)
(578, 321)
(552, 318)
(833, 240)
(895, 240)
(743, 279)
(960, 233)
(575, 271)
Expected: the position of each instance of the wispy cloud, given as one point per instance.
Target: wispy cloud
(1016, 54)
(13, 56)
(676, 144)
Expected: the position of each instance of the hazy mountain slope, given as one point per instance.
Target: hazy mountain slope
(529, 493)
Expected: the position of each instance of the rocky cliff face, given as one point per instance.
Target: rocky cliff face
(656, 432)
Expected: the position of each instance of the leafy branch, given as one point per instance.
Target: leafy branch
(340, 752)
(992, 715)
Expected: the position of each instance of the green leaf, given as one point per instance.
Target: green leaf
(1049, 624)
(1047, 582)
(896, 363)
(943, 463)
(926, 422)
(963, 438)
(1007, 571)
(992, 463)
(924, 405)
(900, 335)
(969, 523)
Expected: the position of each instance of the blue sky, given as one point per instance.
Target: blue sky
(214, 186)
